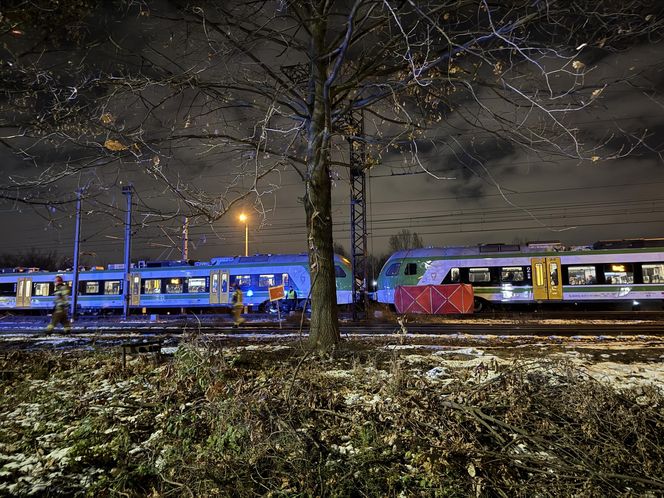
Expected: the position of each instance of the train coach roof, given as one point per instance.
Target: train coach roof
(258, 258)
(530, 247)
(265, 258)
(432, 252)
(427, 252)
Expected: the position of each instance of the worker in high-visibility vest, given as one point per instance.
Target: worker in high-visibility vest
(237, 306)
(291, 299)
(61, 294)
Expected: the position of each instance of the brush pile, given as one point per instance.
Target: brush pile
(274, 421)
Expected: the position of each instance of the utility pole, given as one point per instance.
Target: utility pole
(77, 243)
(185, 239)
(127, 190)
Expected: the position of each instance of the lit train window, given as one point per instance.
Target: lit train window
(174, 286)
(284, 279)
(554, 274)
(539, 275)
(479, 275)
(92, 287)
(41, 289)
(266, 281)
(653, 274)
(339, 271)
(196, 285)
(393, 269)
(242, 280)
(112, 287)
(619, 274)
(455, 275)
(582, 275)
(152, 286)
(411, 269)
(512, 274)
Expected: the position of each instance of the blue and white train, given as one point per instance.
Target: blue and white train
(173, 285)
(629, 272)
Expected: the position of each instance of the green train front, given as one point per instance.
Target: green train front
(629, 271)
(175, 284)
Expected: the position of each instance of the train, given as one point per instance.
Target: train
(626, 272)
(164, 286)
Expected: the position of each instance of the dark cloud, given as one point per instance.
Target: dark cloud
(500, 191)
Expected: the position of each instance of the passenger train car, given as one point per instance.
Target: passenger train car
(624, 271)
(173, 285)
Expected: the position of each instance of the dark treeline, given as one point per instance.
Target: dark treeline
(35, 258)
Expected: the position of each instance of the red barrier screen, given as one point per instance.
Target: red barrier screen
(434, 299)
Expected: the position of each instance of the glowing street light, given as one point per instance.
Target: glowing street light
(244, 219)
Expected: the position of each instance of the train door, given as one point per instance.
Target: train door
(24, 292)
(135, 289)
(219, 286)
(547, 284)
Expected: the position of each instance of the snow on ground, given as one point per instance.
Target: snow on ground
(623, 362)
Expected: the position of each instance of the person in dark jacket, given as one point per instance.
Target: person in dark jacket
(60, 310)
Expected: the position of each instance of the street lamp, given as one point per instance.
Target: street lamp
(243, 219)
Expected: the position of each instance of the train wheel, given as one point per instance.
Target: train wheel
(478, 305)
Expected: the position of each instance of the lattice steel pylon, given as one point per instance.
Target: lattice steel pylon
(354, 124)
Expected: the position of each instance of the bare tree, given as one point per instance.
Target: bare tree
(258, 87)
(339, 249)
(405, 240)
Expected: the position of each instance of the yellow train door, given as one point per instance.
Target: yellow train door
(547, 282)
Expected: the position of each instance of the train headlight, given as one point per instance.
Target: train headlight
(635, 303)
(250, 293)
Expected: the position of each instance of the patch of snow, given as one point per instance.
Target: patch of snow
(59, 455)
(56, 340)
(353, 399)
(363, 399)
(338, 374)
(627, 375)
(475, 362)
(263, 347)
(467, 351)
(436, 373)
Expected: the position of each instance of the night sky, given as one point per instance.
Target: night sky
(487, 190)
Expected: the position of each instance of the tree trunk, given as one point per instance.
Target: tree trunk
(324, 327)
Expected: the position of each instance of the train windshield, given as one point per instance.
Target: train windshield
(393, 269)
(339, 271)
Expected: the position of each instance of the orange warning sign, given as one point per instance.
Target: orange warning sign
(277, 293)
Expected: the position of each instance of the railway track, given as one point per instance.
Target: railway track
(524, 321)
(413, 333)
(488, 327)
